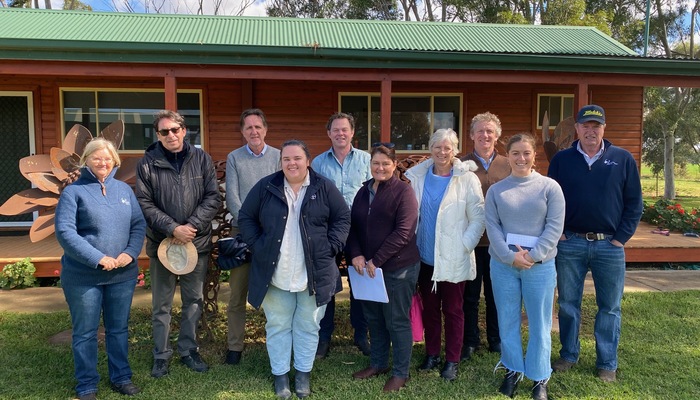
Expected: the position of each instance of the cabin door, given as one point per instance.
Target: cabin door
(17, 135)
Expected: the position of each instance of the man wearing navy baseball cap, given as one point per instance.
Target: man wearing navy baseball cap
(591, 113)
(603, 206)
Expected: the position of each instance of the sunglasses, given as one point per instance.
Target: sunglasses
(166, 132)
(388, 145)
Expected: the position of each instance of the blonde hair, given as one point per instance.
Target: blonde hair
(486, 117)
(98, 144)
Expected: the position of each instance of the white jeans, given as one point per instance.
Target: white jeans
(293, 322)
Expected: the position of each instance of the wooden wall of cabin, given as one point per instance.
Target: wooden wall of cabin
(300, 109)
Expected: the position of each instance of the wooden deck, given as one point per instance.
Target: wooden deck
(643, 247)
(46, 255)
(650, 247)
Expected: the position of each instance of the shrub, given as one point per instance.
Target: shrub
(144, 279)
(18, 275)
(673, 216)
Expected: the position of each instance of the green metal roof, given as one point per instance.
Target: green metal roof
(30, 34)
(153, 29)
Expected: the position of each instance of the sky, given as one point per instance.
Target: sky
(228, 7)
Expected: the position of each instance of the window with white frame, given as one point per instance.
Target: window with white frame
(414, 117)
(557, 106)
(97, 108)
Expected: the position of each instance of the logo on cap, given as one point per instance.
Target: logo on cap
(591, 112)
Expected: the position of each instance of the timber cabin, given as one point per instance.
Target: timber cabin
(401, 80)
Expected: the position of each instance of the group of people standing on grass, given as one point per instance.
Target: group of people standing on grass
(301, 218)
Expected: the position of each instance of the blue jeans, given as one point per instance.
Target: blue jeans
(390, 323)
(606, 262)
(86, 304)
(292, 323)
(533, 287)
(357, 317)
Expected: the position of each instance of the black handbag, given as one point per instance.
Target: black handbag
(233, 252)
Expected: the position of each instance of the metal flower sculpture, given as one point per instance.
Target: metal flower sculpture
(50, 173)
(564, 134)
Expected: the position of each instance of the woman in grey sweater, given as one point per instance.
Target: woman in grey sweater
(524, 220)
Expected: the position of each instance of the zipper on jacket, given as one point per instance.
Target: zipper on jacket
(307, 255)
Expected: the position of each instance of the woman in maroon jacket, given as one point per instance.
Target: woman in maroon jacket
(382, 235)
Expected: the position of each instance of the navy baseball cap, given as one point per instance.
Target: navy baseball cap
(591, 112)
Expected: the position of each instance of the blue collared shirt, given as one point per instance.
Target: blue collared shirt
(596, 156)
(484, 162)
(349, 176)
(262, 153)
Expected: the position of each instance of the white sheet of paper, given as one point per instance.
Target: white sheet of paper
(366, 288)
(522, 240)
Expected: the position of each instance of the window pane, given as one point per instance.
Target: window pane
(447, 112)
(410, 122)
(542, 108)
(568, 107)
(551, 105)
(136, 109)
(376, 121)
(79, 108)
(188, 106)
(554, 110)
(558, 108)
(357, 107)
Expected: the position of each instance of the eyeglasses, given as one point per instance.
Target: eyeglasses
(166, 132)
(101, 160)
(388, 145)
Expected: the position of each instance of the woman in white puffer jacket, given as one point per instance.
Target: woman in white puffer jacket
(451, 222)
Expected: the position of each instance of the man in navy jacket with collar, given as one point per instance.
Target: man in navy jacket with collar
(603, 206)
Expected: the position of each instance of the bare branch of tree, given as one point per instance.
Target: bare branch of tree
(664, 37)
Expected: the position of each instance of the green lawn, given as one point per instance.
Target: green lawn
(659, 356)
(687, 187)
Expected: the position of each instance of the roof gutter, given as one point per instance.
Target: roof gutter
(199, 54)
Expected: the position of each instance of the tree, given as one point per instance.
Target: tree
(20, 3)
(303, 9)
(624, 18)
(672, 112)
(199, 7)
(353, 9)
(665, 129)
(76, 5)
(372, 9)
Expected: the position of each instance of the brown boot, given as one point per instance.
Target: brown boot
(394, 383)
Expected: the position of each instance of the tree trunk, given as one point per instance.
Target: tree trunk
(429, 10)
(669, 163)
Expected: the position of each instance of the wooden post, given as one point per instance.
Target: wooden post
(581, 96)
(170, 93)
(385, 110)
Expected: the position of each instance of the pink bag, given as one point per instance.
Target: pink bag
(416, 315)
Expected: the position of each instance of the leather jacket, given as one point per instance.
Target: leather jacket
(170, 199)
